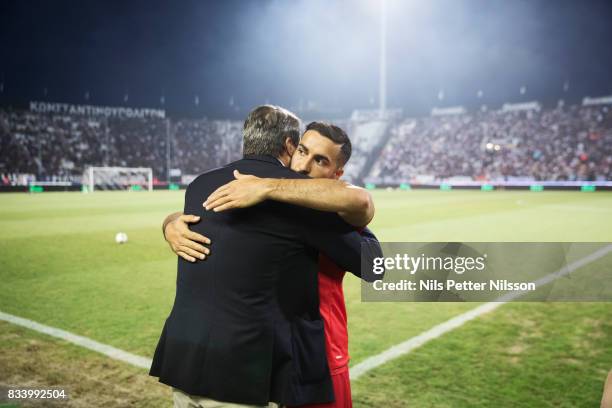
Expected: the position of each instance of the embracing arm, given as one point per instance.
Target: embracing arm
(353, 204)
(170, 218)
(184, 242)
(351, 250)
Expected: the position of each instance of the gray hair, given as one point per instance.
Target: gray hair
(267, 127)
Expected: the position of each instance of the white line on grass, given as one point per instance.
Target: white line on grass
(457, 321)
(112, 352)
(357, 371)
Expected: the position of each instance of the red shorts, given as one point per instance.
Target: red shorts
(342, 392)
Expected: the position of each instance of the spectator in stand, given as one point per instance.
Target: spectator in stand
(573, 143)
(559, 144)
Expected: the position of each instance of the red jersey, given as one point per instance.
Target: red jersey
(333, 313)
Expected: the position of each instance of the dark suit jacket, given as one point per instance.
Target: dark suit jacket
(245, 325)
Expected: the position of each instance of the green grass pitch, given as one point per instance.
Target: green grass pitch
(60, 265)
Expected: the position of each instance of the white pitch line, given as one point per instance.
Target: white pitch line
(458, 321)
(357, 371)
(112, 352)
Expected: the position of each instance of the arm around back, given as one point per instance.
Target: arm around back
(340, 241)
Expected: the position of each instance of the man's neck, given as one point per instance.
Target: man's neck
(284, 160)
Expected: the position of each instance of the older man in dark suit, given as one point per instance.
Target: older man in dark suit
(234, 334)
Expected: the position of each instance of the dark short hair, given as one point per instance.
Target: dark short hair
(336, 135)
(267, 127)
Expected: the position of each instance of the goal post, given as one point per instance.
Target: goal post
(117, 178)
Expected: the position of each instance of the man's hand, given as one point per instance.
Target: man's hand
(183, 241)
(245, 191)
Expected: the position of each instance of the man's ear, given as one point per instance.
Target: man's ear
(289, 146)
(338, 173)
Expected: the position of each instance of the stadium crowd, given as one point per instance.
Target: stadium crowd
(47, 147)
(571, 143)
(200, 145)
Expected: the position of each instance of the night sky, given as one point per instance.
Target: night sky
(312, 55)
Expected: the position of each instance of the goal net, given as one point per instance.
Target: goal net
(118, 178)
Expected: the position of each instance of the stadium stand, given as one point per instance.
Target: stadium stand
(566, 143)
(203, 144)
(574, 143)
(366, 137)
(47, 147)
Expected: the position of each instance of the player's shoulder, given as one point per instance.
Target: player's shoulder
(284, 172)
(265, 166)
(209, 176)
(257, 168)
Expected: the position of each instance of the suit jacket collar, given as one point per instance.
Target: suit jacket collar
(263, 157)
